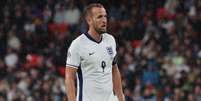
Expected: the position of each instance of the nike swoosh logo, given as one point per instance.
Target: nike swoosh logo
(91, 53)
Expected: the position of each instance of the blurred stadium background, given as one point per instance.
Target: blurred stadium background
(159, 47)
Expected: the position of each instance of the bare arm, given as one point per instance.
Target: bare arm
(117, 85)
(70, 83)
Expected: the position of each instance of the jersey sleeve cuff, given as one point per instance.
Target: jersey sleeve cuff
(72, 66)
(114, 60)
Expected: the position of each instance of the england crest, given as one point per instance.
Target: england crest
(109, 50)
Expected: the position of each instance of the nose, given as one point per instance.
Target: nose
(104, 20)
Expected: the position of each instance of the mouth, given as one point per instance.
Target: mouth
(103, 26)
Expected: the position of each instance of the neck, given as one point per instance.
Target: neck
(95, 35)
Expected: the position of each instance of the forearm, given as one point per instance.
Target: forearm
(70, 85)
(70, 89)
(117, 85)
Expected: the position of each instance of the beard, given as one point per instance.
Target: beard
(100, 31)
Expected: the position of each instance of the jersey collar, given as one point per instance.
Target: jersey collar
(92, 39)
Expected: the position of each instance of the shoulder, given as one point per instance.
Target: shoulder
(108, 37)
(77, 42)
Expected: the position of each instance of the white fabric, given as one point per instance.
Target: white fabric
(88, 56)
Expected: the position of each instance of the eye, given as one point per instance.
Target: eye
(102, 16)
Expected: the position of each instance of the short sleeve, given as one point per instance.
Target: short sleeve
(115, 51)
(114, 60)
(73, 57)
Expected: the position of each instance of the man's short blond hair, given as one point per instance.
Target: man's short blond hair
(88, 9)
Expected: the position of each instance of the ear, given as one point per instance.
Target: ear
(88, 19)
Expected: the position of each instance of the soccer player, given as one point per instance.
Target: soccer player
(92, 57)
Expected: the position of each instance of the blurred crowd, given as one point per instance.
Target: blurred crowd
(158, 45)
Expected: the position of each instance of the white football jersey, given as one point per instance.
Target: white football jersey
(94, 62)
